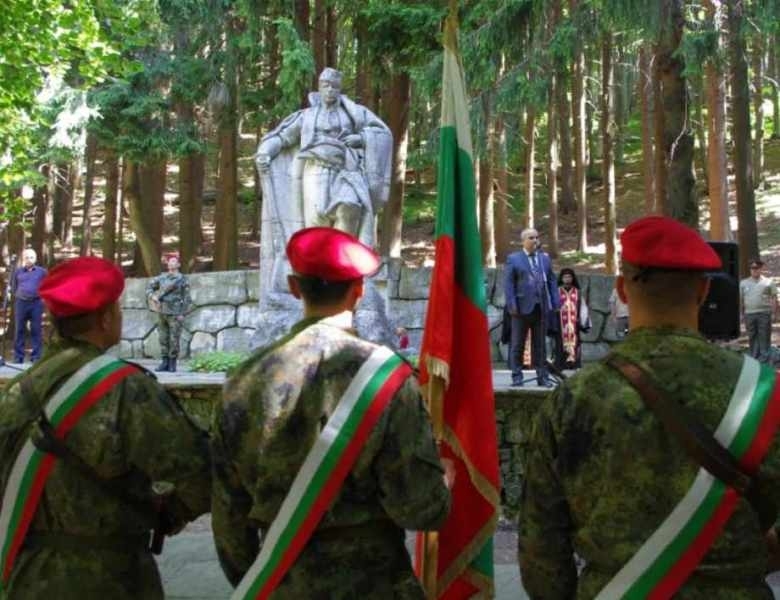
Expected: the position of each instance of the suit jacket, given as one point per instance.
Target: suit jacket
(519, 285)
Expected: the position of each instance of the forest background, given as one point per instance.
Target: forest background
(127, 127)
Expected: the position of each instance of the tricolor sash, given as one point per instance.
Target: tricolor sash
(32, 467)
(666, 560)
(323, 471)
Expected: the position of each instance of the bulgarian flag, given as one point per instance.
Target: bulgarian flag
(455, 360)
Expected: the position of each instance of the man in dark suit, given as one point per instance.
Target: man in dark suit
(531, 293)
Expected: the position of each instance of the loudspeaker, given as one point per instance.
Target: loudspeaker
(719, 315)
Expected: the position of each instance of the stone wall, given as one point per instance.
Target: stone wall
(223, 316)
(408, 299)
(226, 311)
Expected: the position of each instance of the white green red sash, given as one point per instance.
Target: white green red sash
(323, 471)
(32, 467)
(666, 560)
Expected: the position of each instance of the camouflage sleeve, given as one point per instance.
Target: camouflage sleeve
(544, 544)
(153, 284)
(235, 536)
(411, 478)
(165, 444)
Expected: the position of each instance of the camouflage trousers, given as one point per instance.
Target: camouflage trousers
(169, 330)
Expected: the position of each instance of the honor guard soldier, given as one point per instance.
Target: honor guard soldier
(95, 455)
(657, 466)
(323, 449)
(168, 295)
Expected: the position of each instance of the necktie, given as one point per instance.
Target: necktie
(534, 264)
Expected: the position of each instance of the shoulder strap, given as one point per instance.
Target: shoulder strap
(698, 442)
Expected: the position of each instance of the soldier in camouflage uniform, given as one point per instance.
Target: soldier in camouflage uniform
(86, 542)
(601, 471)
(276, 404)
(169, 293)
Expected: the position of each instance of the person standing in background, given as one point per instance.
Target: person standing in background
(619, 311)
(531, 294)
(168, 295)
(28, 307)
(758, 305)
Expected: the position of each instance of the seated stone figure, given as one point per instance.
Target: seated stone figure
(327, 165)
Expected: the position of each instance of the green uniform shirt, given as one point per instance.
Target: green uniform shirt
(272, 411)
(88, 544)
(601, 474)
(174, 293)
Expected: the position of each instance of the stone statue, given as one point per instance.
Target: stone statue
(325, 165)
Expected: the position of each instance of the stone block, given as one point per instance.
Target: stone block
(137, 323)
(599, 290)
(134, 294)
(124, 349)
(248, 315)
(152, 345)
(202, 342)
(234, 339)
(223, 287)
(414, 284)
(409, 313)
(495, 286)
(211, 319)
(138, 348)
(597, 320)
(394, 268)
(253, 285)
(594, 352)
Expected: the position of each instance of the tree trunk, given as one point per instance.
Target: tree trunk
(646, 102)
(363, 91)
(41, 229)
(318, 37)
(619, 100)
(331, 47)
(530, 165)
(89, 192)
(189, 215)
(61, 199)
(302, 19)
(400, 94)
(608, 151)
(486, 198)
(661, 171)
(141, 187)
(774, 73)
(579, 119)
(226, 208)
(111, 164)
(701, 147)
(743, 174)
(758, 108)
(568, 202)
(676, 141)
(501, 221)
(717, 171)
(553, 159)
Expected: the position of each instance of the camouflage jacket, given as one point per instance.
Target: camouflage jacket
(273, 409)
(602, 473)
(84, 542)
(173, 292)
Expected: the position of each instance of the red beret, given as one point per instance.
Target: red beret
(81, 285)
(330, 254)
(663, 243)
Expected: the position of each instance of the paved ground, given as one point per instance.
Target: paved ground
(190, 569)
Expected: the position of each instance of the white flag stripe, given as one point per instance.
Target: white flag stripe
(23, 458)
(455, 109)
(671, 527)
(311, 464)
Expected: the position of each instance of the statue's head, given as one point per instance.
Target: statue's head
(330, 85)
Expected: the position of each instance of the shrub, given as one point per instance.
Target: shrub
(214, 362)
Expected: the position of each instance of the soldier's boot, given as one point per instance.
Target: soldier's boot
(163, 366)
(172, 364)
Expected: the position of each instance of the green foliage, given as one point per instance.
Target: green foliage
(216, 362)
(297, 67)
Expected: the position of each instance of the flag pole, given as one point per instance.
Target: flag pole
(435, 393)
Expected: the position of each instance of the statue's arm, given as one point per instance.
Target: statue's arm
(286, 134)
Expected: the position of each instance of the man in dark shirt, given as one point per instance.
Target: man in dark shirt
(28, 307)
